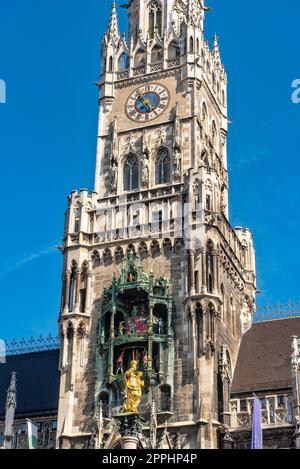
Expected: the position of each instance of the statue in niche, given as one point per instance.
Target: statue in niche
(114, 175)
(119, 367)
(177, 162)
(132, 326)
(133, 388)
(162, 136)
(121, 328)
(145, 359)
(131, 142)
(145, 171)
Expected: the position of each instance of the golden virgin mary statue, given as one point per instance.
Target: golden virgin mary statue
(133, 388)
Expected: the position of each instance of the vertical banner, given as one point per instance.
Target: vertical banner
(32, 431)
(257, 433)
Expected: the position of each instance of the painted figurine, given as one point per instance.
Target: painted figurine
(119, 367)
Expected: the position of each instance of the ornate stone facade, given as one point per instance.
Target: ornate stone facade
(160, 199)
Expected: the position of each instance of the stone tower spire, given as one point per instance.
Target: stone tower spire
(216, 50)
(10, 408)
(113, 32)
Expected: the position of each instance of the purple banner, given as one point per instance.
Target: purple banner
(257, 433)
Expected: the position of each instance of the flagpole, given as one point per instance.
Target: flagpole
(257, 431)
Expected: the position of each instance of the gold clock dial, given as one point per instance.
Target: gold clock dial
(147, 102)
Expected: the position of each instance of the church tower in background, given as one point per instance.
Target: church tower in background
(153, 270)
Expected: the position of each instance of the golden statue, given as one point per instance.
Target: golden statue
(133, 388)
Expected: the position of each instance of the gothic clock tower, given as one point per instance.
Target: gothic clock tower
(153, 270)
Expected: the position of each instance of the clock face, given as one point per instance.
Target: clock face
(147, 102)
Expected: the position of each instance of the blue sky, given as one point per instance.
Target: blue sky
(49, 59)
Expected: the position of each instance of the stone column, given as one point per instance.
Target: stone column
(204, 279)
(192, 272)
(131, 430)
(129, 442)
(77, 290)
(111, 340)
(215, 279)
(150, 339)
(67, 291)
(88, 294)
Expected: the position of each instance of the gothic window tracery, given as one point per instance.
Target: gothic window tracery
(155, 18)
(131, 174)
(179, 14)
(162, 167)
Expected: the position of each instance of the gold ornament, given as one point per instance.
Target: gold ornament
(133, 388)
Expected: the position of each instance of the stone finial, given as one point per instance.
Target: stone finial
(113, 32)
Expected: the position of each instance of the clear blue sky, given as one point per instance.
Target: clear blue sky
(49, 58)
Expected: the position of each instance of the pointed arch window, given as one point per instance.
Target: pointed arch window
(123, 61)
(191, 46)
(131, 174)
(155, 18)
(162, 167)
(110, 64)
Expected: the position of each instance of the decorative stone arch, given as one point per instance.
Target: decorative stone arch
(119, 254)
(143, 250)
(95, 258)
(167, 246)
(155, 248)
(131, 249)
(107, 256)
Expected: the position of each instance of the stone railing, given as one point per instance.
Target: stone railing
(137, 71)
(155, 67)
(123, 74)
(173, 62)
(276, 410)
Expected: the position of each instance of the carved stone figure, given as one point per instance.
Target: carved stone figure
(133, 388)
(162, 136)
(114, 176)
(145, 171)
(177, 162)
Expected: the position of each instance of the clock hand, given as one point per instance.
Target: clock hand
(145, 102)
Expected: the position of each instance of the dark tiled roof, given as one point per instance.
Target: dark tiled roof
(264, 357)
(37, 383)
